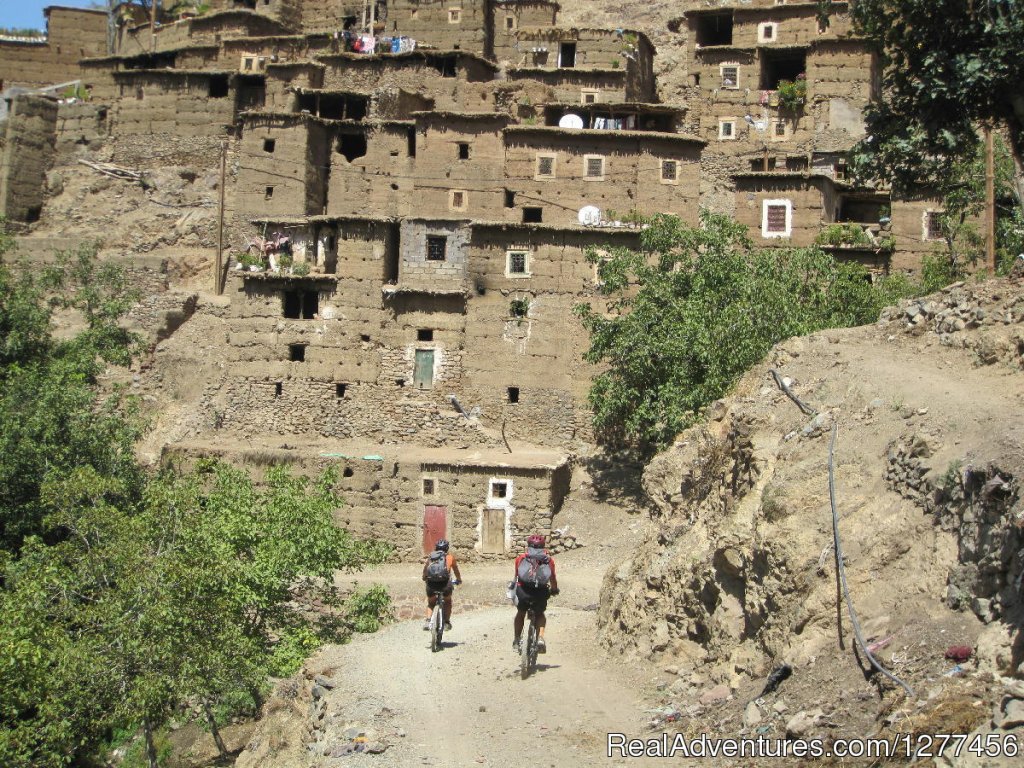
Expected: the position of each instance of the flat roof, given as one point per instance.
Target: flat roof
(563, 71)
(552, 130)
(302, 117)
(616, 105)
(47, 9)
(447, 114)
(769, 9)
(424, 54)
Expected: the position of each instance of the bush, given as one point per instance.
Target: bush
(843, 234)
(792, 93)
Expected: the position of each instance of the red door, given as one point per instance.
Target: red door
(435, 526)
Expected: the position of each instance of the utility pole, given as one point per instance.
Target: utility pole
(218, 282)
(990, 201)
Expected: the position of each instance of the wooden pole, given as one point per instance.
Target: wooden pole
(765, 158)
(990, 202)
(218, 277)
(152, 23)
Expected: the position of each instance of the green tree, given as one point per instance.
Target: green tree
(950, 66)
(694, 308)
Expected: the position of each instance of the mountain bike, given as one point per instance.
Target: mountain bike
(436, 624)
(528, 648)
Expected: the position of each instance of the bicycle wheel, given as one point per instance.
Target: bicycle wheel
(528, 650)
(436, 627)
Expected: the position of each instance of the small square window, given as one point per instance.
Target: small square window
(268, 193)
(766, 32)
(510, 198)
(437, 247)
(593, 167)
(780, 129)
(510, 22)
(278, 387)
(669, 171)
(933, 225)
(458, 200)
(247, 63)
(589, 96)
(730, 76)
(339, 391)
(518, 263)
(513, 395)
(425, 334)
(499, 490)
(454, 15)
(726, 130)
(545, 166)
(533, 215)
(463, 150)
(776, 218)
(269, 145)
(428, 486)
(297, 353)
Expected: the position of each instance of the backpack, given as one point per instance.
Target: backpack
(437, 567)
(535, 569)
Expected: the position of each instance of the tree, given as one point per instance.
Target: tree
(696, 307)
(950, 66)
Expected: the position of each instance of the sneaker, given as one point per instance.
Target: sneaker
(542, 647)
(447, 626)
(516, 647)
(426, 625)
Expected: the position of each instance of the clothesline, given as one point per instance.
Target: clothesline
(369, 44)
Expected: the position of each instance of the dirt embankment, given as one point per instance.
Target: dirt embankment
(929, 467)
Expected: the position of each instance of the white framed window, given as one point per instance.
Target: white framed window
(767, 32)
(730, 74)
(593, 167)
(778, 130)
(454, 15)
(517, 262)
(669, 172)
(458, 199)
(546, 165)
(499, 492)
(776, 218)
(727, 129)
(589, 95)
(931, 225)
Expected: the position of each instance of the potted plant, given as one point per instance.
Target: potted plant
(792, 94)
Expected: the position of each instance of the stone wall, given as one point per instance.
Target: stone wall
(27, 148)
(80, 124)
(182, 104)
(433, 21)
(418, 270)
(809, 198)
(72, 34)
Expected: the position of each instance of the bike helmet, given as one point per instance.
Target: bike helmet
(442, 544)
(535, 542)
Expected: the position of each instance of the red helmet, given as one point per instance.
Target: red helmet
(535, 542)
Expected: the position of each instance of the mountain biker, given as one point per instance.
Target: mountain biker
(535, 582)
(441, 573)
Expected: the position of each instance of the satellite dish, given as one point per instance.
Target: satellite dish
(570, 121)
(590, 216)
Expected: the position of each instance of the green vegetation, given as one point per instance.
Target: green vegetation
(19, 32)
(843, 234)
(125, 596)
(792, 94)
(694, 308)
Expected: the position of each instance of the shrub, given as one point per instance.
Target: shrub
(843, 234)
(792, 93)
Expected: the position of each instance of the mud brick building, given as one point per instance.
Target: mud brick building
(421, 182)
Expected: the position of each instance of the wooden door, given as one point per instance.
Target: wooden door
(493, 538)
(423, 374)
(435, 526)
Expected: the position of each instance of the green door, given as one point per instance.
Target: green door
(423, 374)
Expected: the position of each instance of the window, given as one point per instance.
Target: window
(766, 32)
(779, 129)
(297, 353)
(301, 305)
(428, 486)
(593, 167)
(425, 334)
(277, 389)
(248, 62)
(458, 200)
(510, 198)
(669, 171)
(339, 391)
(352, 145)
(519, 308)
(139, 94)
(567, 55)
(269, 145)
(545, 167)
(513, 395)
(510, 22)
(726, 130)
(218, 86)
(517, 263)
(781, 64)
(589, 95)
(762, 164)
(463, 150)
(714, 29)
(499, 492)
(776, 218)
(437, 246)
(730, 75)
(533, 215)
(268, 193)
(933, 225)
(454, 15)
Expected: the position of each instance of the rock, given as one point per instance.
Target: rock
(376, 747)
(715, 695)
(325, 682)
(319, 691)
(731, 562)
(751, 715)
(779, 707)
(1011, 715)
(353, 733)
(340, 750)
(800, 724)
(1014, 688)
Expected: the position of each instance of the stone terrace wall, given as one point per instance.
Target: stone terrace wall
(810, 198)
(27, 148)
(431, 21)
(173, 103)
